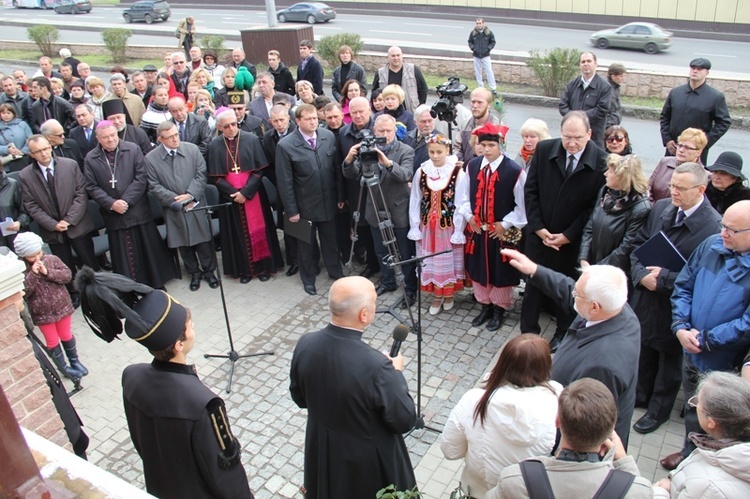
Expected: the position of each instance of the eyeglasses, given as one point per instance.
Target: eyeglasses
(732, 232)
(685, 146)
(618, 138)
(43, 149)
(178, 62)
(693, 401)
(681, 189)
(233, 124)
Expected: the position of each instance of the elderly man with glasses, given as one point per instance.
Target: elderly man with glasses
(686, 219)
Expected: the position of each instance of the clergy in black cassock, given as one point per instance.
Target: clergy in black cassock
(116, 179)
(249, 244)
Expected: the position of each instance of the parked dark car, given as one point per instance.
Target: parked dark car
(148, 11)
(311, 13)
(72, 6)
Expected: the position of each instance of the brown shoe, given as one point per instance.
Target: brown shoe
(672, 461)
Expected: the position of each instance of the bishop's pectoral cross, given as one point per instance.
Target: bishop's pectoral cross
(236, 169)
(113, 181)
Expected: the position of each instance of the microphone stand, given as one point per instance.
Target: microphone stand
(417, 328)
(232, 355)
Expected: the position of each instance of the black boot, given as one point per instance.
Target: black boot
(483, 316)
(556, 340)
(497, 318)
(59, 359)
(72, 353)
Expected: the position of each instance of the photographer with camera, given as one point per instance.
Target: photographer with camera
(386, 165)
(481, 106)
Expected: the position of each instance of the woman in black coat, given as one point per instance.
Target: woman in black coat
(349, 70)
(726, 186)
(622, 209)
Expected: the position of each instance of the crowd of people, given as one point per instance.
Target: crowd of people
(370, 174)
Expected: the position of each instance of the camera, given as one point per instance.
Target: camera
(368, 154)
(449, 93)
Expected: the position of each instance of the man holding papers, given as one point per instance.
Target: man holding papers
(686, 219)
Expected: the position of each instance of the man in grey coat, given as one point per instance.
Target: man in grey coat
(311, 188)
(394, 171)
(591, 94)
(177, 178)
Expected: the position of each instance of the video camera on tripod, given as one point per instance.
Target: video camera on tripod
(450, 94)
(368, 154)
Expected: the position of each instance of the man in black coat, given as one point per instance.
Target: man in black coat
(311, 188)
(283, 79)
(564, 178)
(687, 219)
(238, 59)
(49, 106)
(114, 111)
(84, 134)
(358, 402)
(141, 87)
(589, 93)
(695, 104)
(61, 147)
(481, 43)
(192, 128)
(309, 68)
(603, 340)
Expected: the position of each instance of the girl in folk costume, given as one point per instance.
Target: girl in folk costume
(492, 204)
(435, 226)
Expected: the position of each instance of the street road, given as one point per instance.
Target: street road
(729, 58)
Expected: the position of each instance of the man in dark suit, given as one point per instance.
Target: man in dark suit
(84, 134)
(564, 177)
(49, 106)
(260, 106)
(309, 68)
(394, 172)
(687, 219)
(141, 87)
(589, 93)
(282, 126)
(350, 429)
(603, 340)
(311, 188)
(191, 127)
(61, 147)
(238, 59)
(54, 195)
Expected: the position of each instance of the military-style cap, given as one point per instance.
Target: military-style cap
(700, 62)
(236, 98)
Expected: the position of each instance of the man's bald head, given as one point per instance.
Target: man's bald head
(359, 110)
(352, 302)
(737, 218)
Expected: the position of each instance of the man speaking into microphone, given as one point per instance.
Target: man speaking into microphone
(357, 400)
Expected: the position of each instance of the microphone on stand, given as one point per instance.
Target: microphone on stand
(180, 205)
(400, 332)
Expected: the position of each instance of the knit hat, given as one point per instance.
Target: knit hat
(27, 244)
(153, 318)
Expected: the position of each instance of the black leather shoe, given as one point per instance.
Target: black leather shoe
(483, 316)
(213, 282)
(672, 461)
(293, 269)
(245, 279)
(368, 272)
(556, 341)
(381, 289)
(310, 289)
(411, 298)
(264, 277)
(195, 282)
(497, 318)
(646, 424)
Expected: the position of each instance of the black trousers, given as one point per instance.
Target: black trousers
(690, 377)
(531, 307)
(84, 248)
(659, 379)
(201, 253)
(309, 253)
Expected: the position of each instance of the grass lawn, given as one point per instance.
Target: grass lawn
(93, 60)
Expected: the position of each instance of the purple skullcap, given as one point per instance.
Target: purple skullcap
(104, 123)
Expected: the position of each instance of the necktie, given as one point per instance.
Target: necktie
(171, 154)
(52, 192)
(88, 134)
(312, 143)
(680, 217)
(571, 165)
(181, 127)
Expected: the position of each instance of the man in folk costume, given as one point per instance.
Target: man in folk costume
(177, 174)
(493, 207)
(116, 179)
(250, 247)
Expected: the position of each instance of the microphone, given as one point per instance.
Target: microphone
(179, 205)
(400, 332)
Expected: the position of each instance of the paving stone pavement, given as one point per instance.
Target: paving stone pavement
(271, 316)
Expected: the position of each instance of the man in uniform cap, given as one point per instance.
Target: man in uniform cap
(694, 105)
(245, 121)
(179, 427)
(114, 111)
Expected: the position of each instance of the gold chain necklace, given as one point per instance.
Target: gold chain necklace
(233, 157)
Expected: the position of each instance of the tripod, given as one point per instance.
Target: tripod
(232, 355)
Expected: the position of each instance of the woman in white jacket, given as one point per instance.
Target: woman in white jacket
(720, 465)
(511, 419)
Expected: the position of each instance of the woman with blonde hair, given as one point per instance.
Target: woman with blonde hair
(622, 210)
(205, 108)
(690, 145)
(393, 97)
(532, 131)
(203, 78)
(510, 419)
(305, 94)
(221, 97)
(99, 94)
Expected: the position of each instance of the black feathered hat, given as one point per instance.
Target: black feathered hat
(153, 318)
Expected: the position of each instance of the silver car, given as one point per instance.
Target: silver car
(649, 37)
